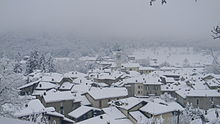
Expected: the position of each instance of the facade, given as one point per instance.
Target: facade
(29, 88)
(63, 102)
(143, 89)
(203, 99)
(100, 98)
(146, 70)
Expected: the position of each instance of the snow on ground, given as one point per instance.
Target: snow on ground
(4, 120)
(174, 56)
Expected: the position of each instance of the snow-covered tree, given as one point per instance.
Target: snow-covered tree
(9, 95)
(33, 62)
(18, 68)
(42, 63)
(50, 66)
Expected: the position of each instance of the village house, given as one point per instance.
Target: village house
(146, 70)
(100, 98)
(71, 76)
(29, 88)
(213, 83)
(143, 86)
(66, 86)
(203, 99)
(129, 106)
(64, 102)
(158, 109)
(35, 110)
(130, 67)
(108, 77)
(84, 112)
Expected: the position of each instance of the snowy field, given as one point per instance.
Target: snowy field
(175, 56)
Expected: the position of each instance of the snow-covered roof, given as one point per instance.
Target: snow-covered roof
(198, 93)
(66, 86)
(108, 93)
(139, 117)
(130, 102)
(104, 119)
(114, 112)
(213, 83)
(81, 88)
(46, 85)
(34, 106)
(81, 111)
(52, 77)
(38, 92)
(157, 108)
(147, 68)
(75, 74)
(130, 65)
(145, 79)
(57, 96)
(29, 84)
(112, 75)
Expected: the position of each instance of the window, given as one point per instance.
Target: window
(61, 110)
(139, 92)
(197, 101)
(147, 88)
(139, 87)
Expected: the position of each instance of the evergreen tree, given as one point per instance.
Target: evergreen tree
(17, 68)
(33, 62)
(42, 63)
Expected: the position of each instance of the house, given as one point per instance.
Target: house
(84, 112)
(143, 86)
(63, 101)
(138, 117)
(167, 80)
(108, 77)
(66, 86)
(35, 110)
(158, 109)
(28, 88)
(211, 76)
(146, 70)
(105, 119)
(71, 76)
(129, 106)
(100, 98)
(130, 66)
(43, 85)
(213, 83)
(203, 99)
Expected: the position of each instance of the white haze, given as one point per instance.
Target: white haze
(179, 20)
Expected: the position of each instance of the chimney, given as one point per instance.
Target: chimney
(45, 93)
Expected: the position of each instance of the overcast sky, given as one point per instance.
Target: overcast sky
(177, 20)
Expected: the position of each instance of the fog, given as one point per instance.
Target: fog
(178, 20)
